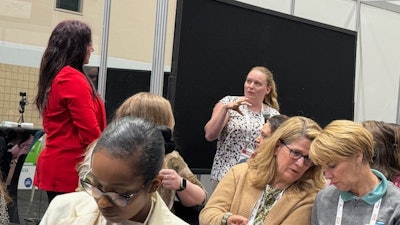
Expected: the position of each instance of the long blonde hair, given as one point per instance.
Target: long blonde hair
(270, 99)
(264, 167)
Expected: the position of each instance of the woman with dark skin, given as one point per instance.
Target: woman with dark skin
(121, 183)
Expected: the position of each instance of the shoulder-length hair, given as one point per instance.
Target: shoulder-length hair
(67, 45)
(263, 167)
(341, 140)
(151, 107)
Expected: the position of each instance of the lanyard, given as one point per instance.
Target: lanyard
(374, 215)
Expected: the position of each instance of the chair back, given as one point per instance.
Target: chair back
(12, 189)
(36, 148)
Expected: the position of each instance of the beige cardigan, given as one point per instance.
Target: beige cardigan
(175, 162)
(235, 194)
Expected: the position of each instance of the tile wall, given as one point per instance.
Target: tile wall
(13, 80)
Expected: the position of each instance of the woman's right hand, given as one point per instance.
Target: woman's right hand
(236, 220)
(220, 117)
(237, 103)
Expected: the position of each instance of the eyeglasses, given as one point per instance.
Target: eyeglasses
(119, 200)
(294, 154)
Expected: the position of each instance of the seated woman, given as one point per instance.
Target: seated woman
(22, 145)
(5, 200)
(358, 195)
(121, 183)
(179, 182)
(386, 157)
(158, 110)
(267, 130)
(277, 186)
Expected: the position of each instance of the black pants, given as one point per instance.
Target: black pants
(53, 194)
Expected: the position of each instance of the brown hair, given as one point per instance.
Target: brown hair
(67, 45)
(386, 157)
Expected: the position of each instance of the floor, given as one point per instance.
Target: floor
(31, 212)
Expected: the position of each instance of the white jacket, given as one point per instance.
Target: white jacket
(79, 208)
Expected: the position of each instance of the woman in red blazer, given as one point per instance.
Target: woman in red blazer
(72, 111)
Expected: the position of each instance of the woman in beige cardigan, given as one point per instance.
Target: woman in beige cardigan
(278, 186)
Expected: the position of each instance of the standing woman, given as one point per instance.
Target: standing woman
(73, 113)
(236, 121)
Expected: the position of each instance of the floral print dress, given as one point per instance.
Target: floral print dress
(239, 134)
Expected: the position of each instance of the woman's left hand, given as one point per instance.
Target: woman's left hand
(171, 180)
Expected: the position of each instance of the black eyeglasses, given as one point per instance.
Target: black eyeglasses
(294, 154)
(119, 200)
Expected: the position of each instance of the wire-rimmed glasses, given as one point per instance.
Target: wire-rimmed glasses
(120, 200)
(294, 154)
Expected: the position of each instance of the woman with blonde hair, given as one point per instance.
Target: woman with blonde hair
(151, 107)
(236, 121)
(358, 194)
(277, 186)
(178, 179)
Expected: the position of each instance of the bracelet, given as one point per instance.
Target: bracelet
(225, 218)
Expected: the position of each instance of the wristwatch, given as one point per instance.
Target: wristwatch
(183, 185)
(224, 220)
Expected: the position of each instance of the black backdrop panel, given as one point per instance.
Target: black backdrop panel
(123, 83)
(216, 43)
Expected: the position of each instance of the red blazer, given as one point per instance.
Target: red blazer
(72, 119)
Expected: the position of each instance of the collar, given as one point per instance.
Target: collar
(153, 200)
(372, 196)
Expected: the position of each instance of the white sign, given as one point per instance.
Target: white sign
(26, 177)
